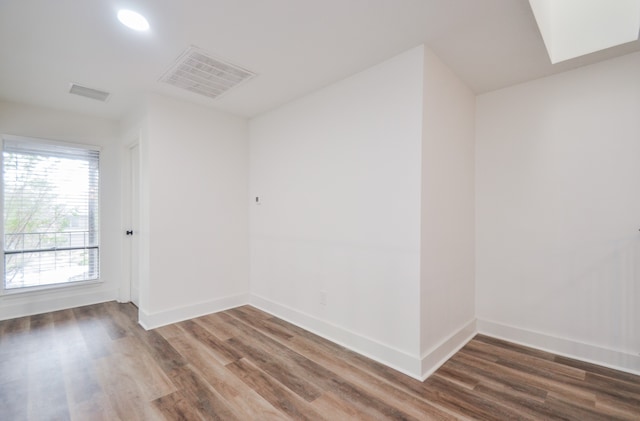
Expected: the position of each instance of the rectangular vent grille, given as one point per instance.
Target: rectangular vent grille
(89, 92)
(198, 72)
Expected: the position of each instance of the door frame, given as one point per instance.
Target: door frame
(124, 295)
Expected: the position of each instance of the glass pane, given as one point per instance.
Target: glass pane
(50, 203)
(51, 267)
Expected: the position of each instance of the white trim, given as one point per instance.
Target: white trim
(594, 354)
(439, 354)
(21, 308)
(154, 320)
(8, 292)
(382, 353)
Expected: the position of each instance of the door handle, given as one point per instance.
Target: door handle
(129, 232)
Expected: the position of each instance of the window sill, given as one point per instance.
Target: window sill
(16, 292)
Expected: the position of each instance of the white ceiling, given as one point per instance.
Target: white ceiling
(295, 46)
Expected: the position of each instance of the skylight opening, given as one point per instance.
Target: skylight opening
(573, 28)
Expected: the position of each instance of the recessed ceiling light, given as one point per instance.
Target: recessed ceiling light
(133, 20)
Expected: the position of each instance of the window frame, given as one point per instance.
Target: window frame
(62, 285)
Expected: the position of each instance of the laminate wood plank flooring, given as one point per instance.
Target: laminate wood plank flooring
(97, 363)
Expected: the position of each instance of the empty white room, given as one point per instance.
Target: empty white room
(339, 209)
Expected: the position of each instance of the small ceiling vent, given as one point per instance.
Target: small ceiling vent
(89, 92)
(199, 72)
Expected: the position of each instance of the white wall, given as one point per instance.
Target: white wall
(448, 227)
(37, 122)
(558, 212)
(194, 238)
(338, 175)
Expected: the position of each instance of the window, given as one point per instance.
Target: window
(51, 222)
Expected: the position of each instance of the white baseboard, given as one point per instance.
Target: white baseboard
(175, 315)
(384, 354)
(28, 304)
(578, 350)
(439, 354)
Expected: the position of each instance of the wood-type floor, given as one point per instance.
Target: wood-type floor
(97, 363)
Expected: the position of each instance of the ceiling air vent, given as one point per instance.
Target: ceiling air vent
(198, 72)
(88, 92)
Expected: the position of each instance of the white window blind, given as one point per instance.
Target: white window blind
(51, 213)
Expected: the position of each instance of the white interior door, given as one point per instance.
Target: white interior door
(135, 223)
